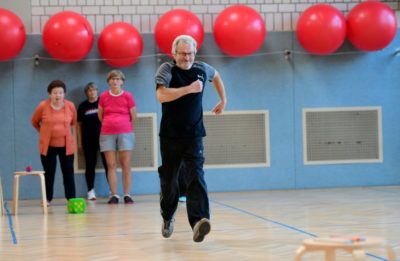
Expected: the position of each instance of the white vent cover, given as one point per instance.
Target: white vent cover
(237, 139)
(342, 135)
(144, 155)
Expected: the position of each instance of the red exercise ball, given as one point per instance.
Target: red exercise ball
(174, 23)
(68, 36)
(371, 26)
(239, 30)
(120, 44)
(321, 29)
(12, 35)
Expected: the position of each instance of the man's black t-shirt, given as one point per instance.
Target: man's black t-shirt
(183, 118)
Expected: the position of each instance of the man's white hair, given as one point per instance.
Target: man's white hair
(183, 39)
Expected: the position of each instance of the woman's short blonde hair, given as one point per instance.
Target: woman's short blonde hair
(115, 73)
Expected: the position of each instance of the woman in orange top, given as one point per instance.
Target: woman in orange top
(53, 119)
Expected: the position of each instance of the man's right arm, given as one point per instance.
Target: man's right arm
(165, 94)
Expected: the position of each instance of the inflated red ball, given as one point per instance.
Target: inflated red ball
(371, 26)
(68, 36)
(321, 29)
(120, 44)
(174, 23)
(12, 35)
(239, 30)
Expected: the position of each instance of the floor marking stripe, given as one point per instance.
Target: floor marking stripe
(10, 223)
(281, 224)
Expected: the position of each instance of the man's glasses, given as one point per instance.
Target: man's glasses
(183, 54)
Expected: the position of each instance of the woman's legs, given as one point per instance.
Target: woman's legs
(90, 151)
(123, 143)
(104, 161)
(112, 171)
(49, 163)
(125, 161)
(67, 169)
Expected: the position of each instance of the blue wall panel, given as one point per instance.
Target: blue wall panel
(345, 80)
(266, 81)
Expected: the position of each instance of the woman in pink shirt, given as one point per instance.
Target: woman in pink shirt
(53, 119)
(117, 112)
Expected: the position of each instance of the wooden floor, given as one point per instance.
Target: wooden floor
(261, 225)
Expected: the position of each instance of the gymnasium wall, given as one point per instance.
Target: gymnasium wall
(268, 81)
(279, 15)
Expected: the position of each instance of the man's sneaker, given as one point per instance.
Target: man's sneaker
(114, 199)
(167, 228)
(182, 199)
(128, 199)
(91, 195)
(201, 229)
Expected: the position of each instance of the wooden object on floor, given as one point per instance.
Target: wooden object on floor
(1, 198)
(19, 174)
(355, 247)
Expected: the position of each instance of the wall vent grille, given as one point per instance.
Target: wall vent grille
(237, 139)
(342, 135)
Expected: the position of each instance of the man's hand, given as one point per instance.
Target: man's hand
(219, 108)
(196, 87)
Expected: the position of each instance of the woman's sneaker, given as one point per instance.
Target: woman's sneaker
(114, 199)
(91, 195)
(128, 199)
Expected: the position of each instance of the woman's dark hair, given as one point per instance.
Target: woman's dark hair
(88, 86)
(55, 84)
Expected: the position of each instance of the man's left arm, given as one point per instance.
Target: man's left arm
(220, 88)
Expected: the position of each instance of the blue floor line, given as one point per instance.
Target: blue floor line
(10, 223)
(282, 224)
(376, 257)
(266, 219)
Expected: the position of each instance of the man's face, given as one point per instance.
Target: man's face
(184, 56)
